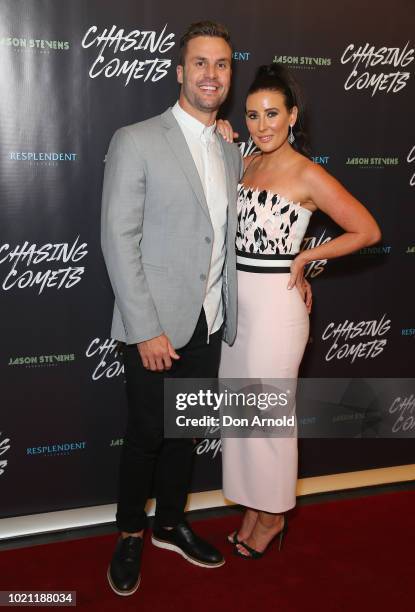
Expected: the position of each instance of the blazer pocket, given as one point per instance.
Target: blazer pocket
(155, 268)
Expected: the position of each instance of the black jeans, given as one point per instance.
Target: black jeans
(146, 454)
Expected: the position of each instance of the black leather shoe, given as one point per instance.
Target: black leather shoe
(183, 540)
(124, 570)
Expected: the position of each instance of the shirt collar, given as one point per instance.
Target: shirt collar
(198, 129)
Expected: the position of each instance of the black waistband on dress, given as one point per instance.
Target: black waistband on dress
(263, 264)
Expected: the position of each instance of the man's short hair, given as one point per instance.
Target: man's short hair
(202, 28)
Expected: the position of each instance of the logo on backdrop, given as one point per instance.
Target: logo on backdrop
(41, 361)
(34, 44)
(209, 446)
(42, 158)
(408, 331)
(241, 56)
(55, 450)
(404, 410)
(322, 160)
(356, 340)
(411, 159)
(377, 69)
(107, 358)
(57, 275)
(145, 46)
(116, 442)
(385, 249)
(303, 62)
(4, 447)
(372, 162)
(315, 268)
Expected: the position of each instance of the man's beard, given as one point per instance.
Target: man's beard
(204, 104)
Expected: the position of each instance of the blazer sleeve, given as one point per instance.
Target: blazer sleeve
(123, 201)
(241, 164)
(238, 160)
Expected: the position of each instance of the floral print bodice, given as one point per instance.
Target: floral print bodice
(268, 223)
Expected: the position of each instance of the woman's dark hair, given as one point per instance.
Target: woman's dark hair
(275, 77)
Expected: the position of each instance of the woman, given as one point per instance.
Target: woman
(280, 190)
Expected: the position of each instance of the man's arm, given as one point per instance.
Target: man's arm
(241, 164)
(123, 200)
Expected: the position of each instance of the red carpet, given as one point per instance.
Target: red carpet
(348, 555)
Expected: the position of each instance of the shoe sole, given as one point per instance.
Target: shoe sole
(122, 593)
(168, 546)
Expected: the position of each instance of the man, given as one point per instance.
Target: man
(168, 232)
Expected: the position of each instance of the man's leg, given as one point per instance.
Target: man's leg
(198, 359)
(142, 442)
(144, 446)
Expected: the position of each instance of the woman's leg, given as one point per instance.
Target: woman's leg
(266, 527)
(247, 525)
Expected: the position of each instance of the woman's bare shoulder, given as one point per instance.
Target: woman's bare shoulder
(310, 170)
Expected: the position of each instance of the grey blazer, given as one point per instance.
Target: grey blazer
(156, 233)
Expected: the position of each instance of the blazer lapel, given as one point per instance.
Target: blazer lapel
(178, 145)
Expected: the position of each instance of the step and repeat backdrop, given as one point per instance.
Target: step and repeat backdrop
(71, 74)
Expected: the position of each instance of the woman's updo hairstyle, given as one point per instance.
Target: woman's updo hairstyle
(275, 77)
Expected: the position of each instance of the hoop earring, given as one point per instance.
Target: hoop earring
(291, 136)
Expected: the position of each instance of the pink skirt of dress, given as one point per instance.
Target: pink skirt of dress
(273, 329)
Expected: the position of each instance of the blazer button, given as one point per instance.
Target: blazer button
(202, 277)
(207, 239)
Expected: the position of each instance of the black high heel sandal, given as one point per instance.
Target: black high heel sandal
(255, 554)
(233, 538)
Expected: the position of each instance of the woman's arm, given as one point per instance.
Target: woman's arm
(225, 129)
(360, 228)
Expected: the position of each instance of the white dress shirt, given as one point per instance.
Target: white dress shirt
(207, 155)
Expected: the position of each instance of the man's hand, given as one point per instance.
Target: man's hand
(157, 353)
